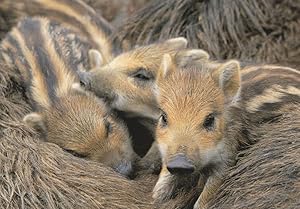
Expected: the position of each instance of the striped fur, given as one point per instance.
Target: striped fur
(38, 56)
(268, 87)
(75, 120)
(74, 14)
(208, 112)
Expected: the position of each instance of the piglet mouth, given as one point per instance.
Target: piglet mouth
(108, 98)
(124, 168)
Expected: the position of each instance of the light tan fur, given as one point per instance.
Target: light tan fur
(65, 78)
(119, 80)
(39, 89)
(95, 58)
(185, 132)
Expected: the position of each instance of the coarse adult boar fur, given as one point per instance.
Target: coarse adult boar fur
(253, 30)
(267, 174)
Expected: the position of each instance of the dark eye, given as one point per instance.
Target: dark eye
(209, 122)
(142, 77)
(76, 154)
(108, 127)
(143, 74)
(163, 119)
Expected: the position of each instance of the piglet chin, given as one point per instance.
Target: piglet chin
(124, 168)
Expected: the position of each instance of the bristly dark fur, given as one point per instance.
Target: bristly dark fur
(7, 21)
(252, 30)
(267, 174)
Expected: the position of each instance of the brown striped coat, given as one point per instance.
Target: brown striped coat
(75, 120)
(73, 14)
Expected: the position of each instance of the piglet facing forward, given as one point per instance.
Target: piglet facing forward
(191, 132)
(207, 112)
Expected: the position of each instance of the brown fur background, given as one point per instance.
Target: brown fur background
(7, 21)
(251, 30)
(116, 11)
(267, 174)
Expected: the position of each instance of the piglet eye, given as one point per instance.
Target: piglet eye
(108, 127)
(76, 154)
(209, 122)
(142, 74)
(163, 119)
(142, 77)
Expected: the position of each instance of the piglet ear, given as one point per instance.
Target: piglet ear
(95, 58)
(167, 66)
(185, 58)
(176, 43)
(229, 79)
(35, 121)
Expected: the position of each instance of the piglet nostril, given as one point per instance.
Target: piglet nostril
(180, 165)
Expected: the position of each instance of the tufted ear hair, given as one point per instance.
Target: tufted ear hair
(35, 121)
(185, 58)
(95, 58)
(167, 66)
(176, 43)
(229, 79)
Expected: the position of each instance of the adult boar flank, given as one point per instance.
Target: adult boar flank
(253, 30)
(267, 174)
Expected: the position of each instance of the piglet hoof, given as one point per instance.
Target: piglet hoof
(163, 189)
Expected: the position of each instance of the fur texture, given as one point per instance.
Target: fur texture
(36, 174)
(250, 30)
(267, 174)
